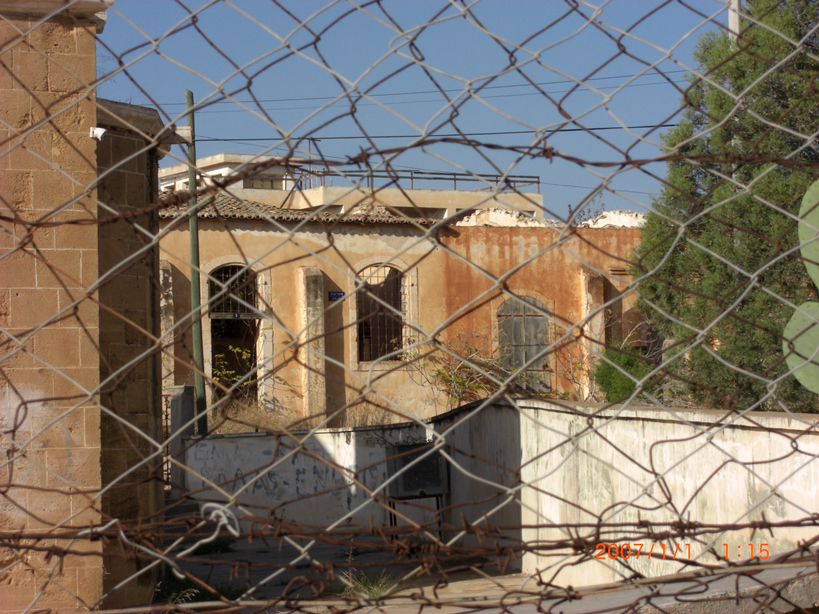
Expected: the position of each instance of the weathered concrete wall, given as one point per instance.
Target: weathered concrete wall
(330, 479)
(49, 365)
(528, 469)
(716, 469)
(485, 448)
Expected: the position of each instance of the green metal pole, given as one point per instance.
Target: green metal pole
(196, 300)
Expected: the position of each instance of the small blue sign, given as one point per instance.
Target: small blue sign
(235, 316)
(335, 296)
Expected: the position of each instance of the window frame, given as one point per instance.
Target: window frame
(245, 313)
(410, 292)
(548, 371)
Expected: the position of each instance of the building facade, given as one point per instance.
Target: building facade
(342, 315)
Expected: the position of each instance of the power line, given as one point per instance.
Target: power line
(454, 134)
(419, 92)
(437, 100)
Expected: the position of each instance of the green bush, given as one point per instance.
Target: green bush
(615, 384)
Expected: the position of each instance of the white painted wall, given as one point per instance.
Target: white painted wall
(329, 477)
(577, 468)
(714, 468)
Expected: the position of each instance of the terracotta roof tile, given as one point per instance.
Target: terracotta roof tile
(225, 206)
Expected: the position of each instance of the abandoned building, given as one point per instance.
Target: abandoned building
(326, 297)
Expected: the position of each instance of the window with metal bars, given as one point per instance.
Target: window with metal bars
(523, 333)
(232, 292)
(263, 183)
(381, 307)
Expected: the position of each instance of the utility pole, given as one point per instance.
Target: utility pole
(196, 299)
(733, 19)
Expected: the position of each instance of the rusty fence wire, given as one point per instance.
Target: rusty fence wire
(478, 305)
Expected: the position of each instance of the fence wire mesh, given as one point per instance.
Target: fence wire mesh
(464, 304)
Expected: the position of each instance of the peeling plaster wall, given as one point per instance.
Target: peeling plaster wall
(439, 287)
(693, 453)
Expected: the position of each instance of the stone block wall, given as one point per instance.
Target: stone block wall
(49, 363)
(79, 375)
(129, 366)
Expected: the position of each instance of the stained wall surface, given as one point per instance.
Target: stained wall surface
(716, 468)
(455, 281)
(533, 469)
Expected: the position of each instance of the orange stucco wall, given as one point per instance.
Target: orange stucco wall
(454, 280)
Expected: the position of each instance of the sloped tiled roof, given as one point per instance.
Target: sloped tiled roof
(226, 207)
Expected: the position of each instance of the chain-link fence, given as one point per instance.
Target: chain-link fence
(409, 305)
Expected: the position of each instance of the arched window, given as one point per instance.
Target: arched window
(234, 328)
(232, 292)
(380, 307)
(523, 334)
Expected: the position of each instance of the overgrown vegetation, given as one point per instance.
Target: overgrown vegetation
(469, 368)
(229, 372)
(722, 272)
(618, 372)
(173, 590)
(371, 586)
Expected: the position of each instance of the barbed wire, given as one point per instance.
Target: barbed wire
(394, 387)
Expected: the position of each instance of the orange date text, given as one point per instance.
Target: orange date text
(635, 551)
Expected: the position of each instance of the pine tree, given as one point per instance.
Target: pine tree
(722, 270)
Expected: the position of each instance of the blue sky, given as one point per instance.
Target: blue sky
(336, 71)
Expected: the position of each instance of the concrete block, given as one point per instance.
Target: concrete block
(39, 237)
(74, 385)
(86, 42)
(92, 427)
(139, 193)
(52, 429)
(73, 468)
(46, 509)
(77, 231)
(85, 310)
(32, 152)
(66, 74)
(89, 349)
(16, 191)
(72, 152)
(6, 80)
(5, 308)
(89, 579)
(62, 590)
(111, 190)
(15, 109)
(18, 272)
